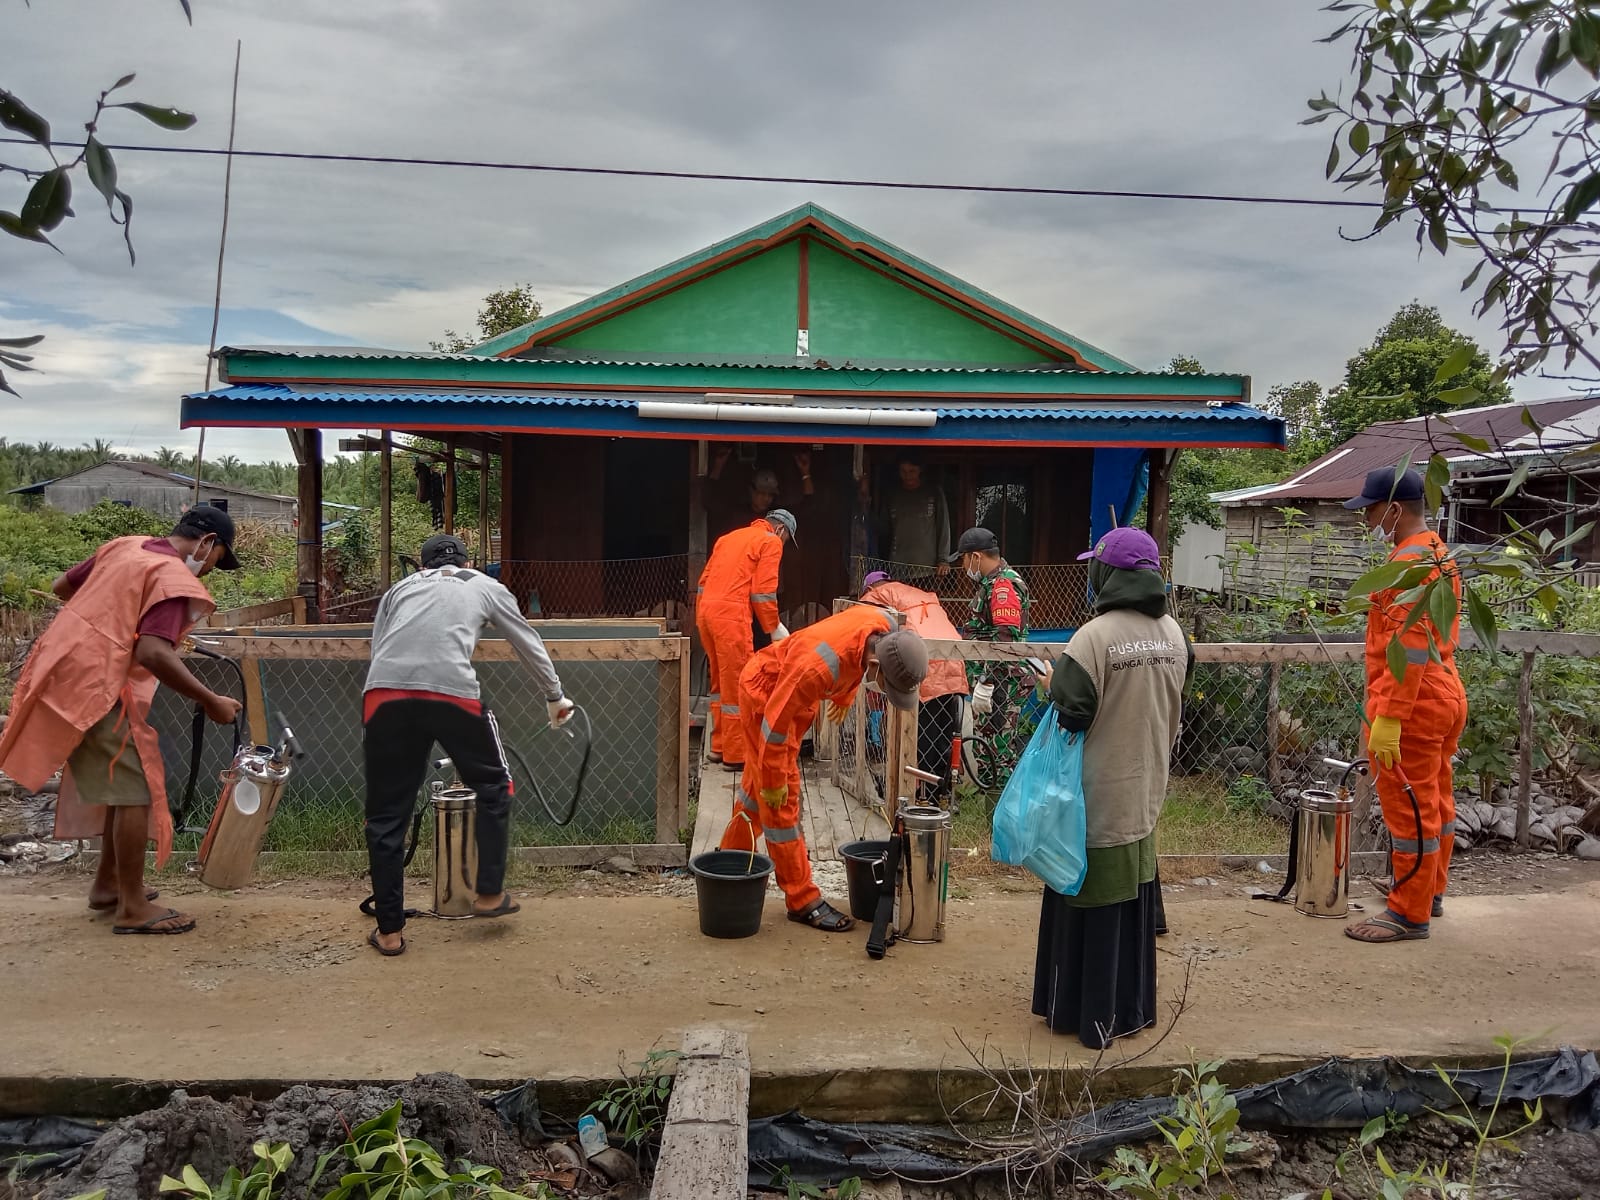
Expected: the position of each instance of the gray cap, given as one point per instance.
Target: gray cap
(785, 518)
(902, 666)
(765, 480)
(444, 549)
(976, 538)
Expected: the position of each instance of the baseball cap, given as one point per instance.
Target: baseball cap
(976, 538)
(1381, 487)
(874, 579)
(782, 516)
(766, 481)
(444, 549)
(205, 519)
(1127, 548)
(902, 666)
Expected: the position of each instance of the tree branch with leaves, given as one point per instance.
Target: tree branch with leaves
(48, 200)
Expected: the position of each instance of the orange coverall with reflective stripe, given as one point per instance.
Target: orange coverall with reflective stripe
(1431, 706)
(780, 693)
(741, 577)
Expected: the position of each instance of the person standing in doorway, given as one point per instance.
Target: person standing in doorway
(738, 586)
(421, 688)
(999, 614)
(919, 524)
(1120, 685)
(1415, 720)
(83, 702)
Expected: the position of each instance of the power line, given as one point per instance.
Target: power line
(725, 177)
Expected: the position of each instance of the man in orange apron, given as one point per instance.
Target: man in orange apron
(740, 580)
(83, 702)
(1415, 721)
(779, 694)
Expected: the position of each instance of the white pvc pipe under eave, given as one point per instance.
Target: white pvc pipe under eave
(787, 414)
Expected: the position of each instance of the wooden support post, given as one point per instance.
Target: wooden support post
(308, 541)
(386, 510)
(1525, 750)
(705, 1144)
(255, 701)
(1274, 763)
(483, 508)
(1159, 498)
(672, 748)
(899, 752)
(450, 484)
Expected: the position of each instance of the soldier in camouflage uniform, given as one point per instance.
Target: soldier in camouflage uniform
(999, 614)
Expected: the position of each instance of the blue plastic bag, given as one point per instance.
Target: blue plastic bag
(1039, 822)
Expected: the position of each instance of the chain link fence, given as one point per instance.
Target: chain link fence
(1058, 593)
(628, 587)
(631, 683)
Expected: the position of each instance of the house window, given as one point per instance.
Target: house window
(1004, 505)
(218, 502)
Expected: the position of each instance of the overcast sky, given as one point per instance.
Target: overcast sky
(1168, 95)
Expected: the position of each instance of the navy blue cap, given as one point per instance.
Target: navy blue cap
(1381, 487)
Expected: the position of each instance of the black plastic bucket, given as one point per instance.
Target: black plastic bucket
(859, 861)
(730, 886)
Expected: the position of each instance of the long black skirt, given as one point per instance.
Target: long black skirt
(1095, 975)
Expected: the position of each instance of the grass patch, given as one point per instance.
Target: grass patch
(1196, 819)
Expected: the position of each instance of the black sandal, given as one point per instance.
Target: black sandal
(505, 908)
(825, 917)
(372, 940)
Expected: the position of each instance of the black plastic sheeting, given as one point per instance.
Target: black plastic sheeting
(44, 1145)
(1339, 1094)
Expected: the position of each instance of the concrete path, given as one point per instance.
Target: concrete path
(273, 988)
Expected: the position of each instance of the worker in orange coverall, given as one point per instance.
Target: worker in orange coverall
(740, 579)
(779, 694)
(1415, 721)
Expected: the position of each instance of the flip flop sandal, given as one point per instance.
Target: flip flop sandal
(152, 894)
(505, 908)
(1393, 931)
(372, 940)
(153, 925)
(825, 917)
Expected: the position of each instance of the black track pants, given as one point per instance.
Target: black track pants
(397, 742)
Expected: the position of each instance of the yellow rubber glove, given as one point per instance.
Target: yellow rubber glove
(774, 797)
(837, 712)
(1383, 742)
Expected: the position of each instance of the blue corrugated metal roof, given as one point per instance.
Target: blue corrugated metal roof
(1110, 422)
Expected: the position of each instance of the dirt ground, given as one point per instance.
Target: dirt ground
(277, 983)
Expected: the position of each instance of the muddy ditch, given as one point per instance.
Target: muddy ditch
(127, 1158)
(1296, 1129)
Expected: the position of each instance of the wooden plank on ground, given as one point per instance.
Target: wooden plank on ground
(821, 840)
(705, 1146)
(716, 807)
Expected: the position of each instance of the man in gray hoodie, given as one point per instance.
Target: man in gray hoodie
(421, 688)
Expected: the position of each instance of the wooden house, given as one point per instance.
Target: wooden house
(628, 428)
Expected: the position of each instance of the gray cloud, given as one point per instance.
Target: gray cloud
(1163, 95)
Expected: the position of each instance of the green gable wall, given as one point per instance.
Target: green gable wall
(749, 308)
(857, 312)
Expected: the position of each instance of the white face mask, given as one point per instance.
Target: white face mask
(973, 573)
(196, 562)
(1379, 535)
